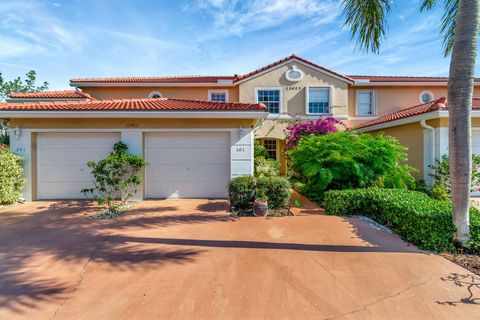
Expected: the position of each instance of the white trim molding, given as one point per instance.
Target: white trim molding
(280, 89)
(223, 83)
(330, 100)
(224, 91)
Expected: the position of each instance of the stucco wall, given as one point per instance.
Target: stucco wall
(294, 94)
(194, 93)
(410, 136)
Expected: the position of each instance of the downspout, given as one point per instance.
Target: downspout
(424, 125)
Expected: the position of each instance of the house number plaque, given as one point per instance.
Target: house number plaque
(132, 125)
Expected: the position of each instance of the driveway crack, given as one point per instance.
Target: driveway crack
(82, 276)
(364, 307)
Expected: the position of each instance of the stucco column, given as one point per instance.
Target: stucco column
(133, 138)
(21, 145)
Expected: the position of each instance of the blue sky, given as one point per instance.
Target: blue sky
(82, 38)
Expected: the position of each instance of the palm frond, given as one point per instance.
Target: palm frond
(447, 28)
(367, 22)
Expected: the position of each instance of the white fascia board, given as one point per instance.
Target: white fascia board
(135, 114)
(399, 122)
(150, 84)
(297, 61)
(399, 84)
(303, 117)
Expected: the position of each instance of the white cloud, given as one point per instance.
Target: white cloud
(235, 17)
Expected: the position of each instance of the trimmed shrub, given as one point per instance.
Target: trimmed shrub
(266, 167)
(277, 189)
(416, 217)
(347, 160)
(241, 191)
(11, 176)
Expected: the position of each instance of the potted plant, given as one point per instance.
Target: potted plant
(260, 204)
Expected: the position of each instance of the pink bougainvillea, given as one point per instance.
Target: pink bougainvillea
(321, 126)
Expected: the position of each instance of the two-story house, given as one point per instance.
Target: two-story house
(197, 132)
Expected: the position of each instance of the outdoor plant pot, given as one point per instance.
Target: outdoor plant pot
(260, 208)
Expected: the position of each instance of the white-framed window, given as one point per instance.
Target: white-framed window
(366, 103)
(271, 146)
(271, 98)
(218, 95)
(155, 94)
(426, 96)
(318, 100)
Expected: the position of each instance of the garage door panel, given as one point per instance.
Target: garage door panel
(62, 158)
(187, 165)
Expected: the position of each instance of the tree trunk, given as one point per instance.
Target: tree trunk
(460, 92)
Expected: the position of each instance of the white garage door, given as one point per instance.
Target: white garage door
(187, 165)
(62, 158)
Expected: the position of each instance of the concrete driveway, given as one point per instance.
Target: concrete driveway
(190, 260)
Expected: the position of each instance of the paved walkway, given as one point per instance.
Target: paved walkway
(190, 260)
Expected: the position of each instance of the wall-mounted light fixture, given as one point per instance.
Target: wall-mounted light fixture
(17, 132)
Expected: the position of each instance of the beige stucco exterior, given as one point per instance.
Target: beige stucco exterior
(180, 92)
(294, 93)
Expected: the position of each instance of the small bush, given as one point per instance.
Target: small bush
(116, 178)
(416, 217)
(441, 188)
(277, 190)
(266, 167)
(241, 191)
(11, 176)
(347, 160)
(4, 137)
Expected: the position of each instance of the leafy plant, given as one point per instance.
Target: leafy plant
(4, 137)
(416, 217)
(116, 178)
(11, 176)
(259, 150)
(241, 191)
(266, 167)
(347, 160)
(19, 85)
(301, 129)
(277, 190)
(441, 177)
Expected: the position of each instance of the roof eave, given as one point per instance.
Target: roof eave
(248, 114)
(401, 83)
(151, 84)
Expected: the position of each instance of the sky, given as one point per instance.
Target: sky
(112, 38)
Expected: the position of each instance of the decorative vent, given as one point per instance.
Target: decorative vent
(293, 74)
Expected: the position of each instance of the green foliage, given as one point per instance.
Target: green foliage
(116, 178)
(266, 167)
(277, 190)
(11, 176)
(347, 160)
(441, 177)
(259, 150)
(416, 217)
(19, 85)
(241, 191)
(4, 137)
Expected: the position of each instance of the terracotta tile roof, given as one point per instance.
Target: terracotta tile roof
(440, 104)
(293, 56)
(64, 94)
(159, 104)
(401, 79)
(167, 79)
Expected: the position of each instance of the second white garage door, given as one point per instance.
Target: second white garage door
(187, 165)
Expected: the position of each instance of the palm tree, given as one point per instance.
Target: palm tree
(367, 21)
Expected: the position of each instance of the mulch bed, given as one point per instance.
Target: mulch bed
(468, 261)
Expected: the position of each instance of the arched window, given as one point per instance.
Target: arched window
(155, 94)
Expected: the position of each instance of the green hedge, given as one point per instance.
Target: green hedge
(277, 189)
(417, 218)
(11, 176)
(241, 191)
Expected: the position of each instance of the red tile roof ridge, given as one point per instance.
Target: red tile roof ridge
(53, 94)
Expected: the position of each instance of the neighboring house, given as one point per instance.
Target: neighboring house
(291, 89)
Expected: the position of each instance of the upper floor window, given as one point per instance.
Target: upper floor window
(271, 98)
(218, 95)
(155, 94)
(426, 96)
(318, 100)
(365, 102)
